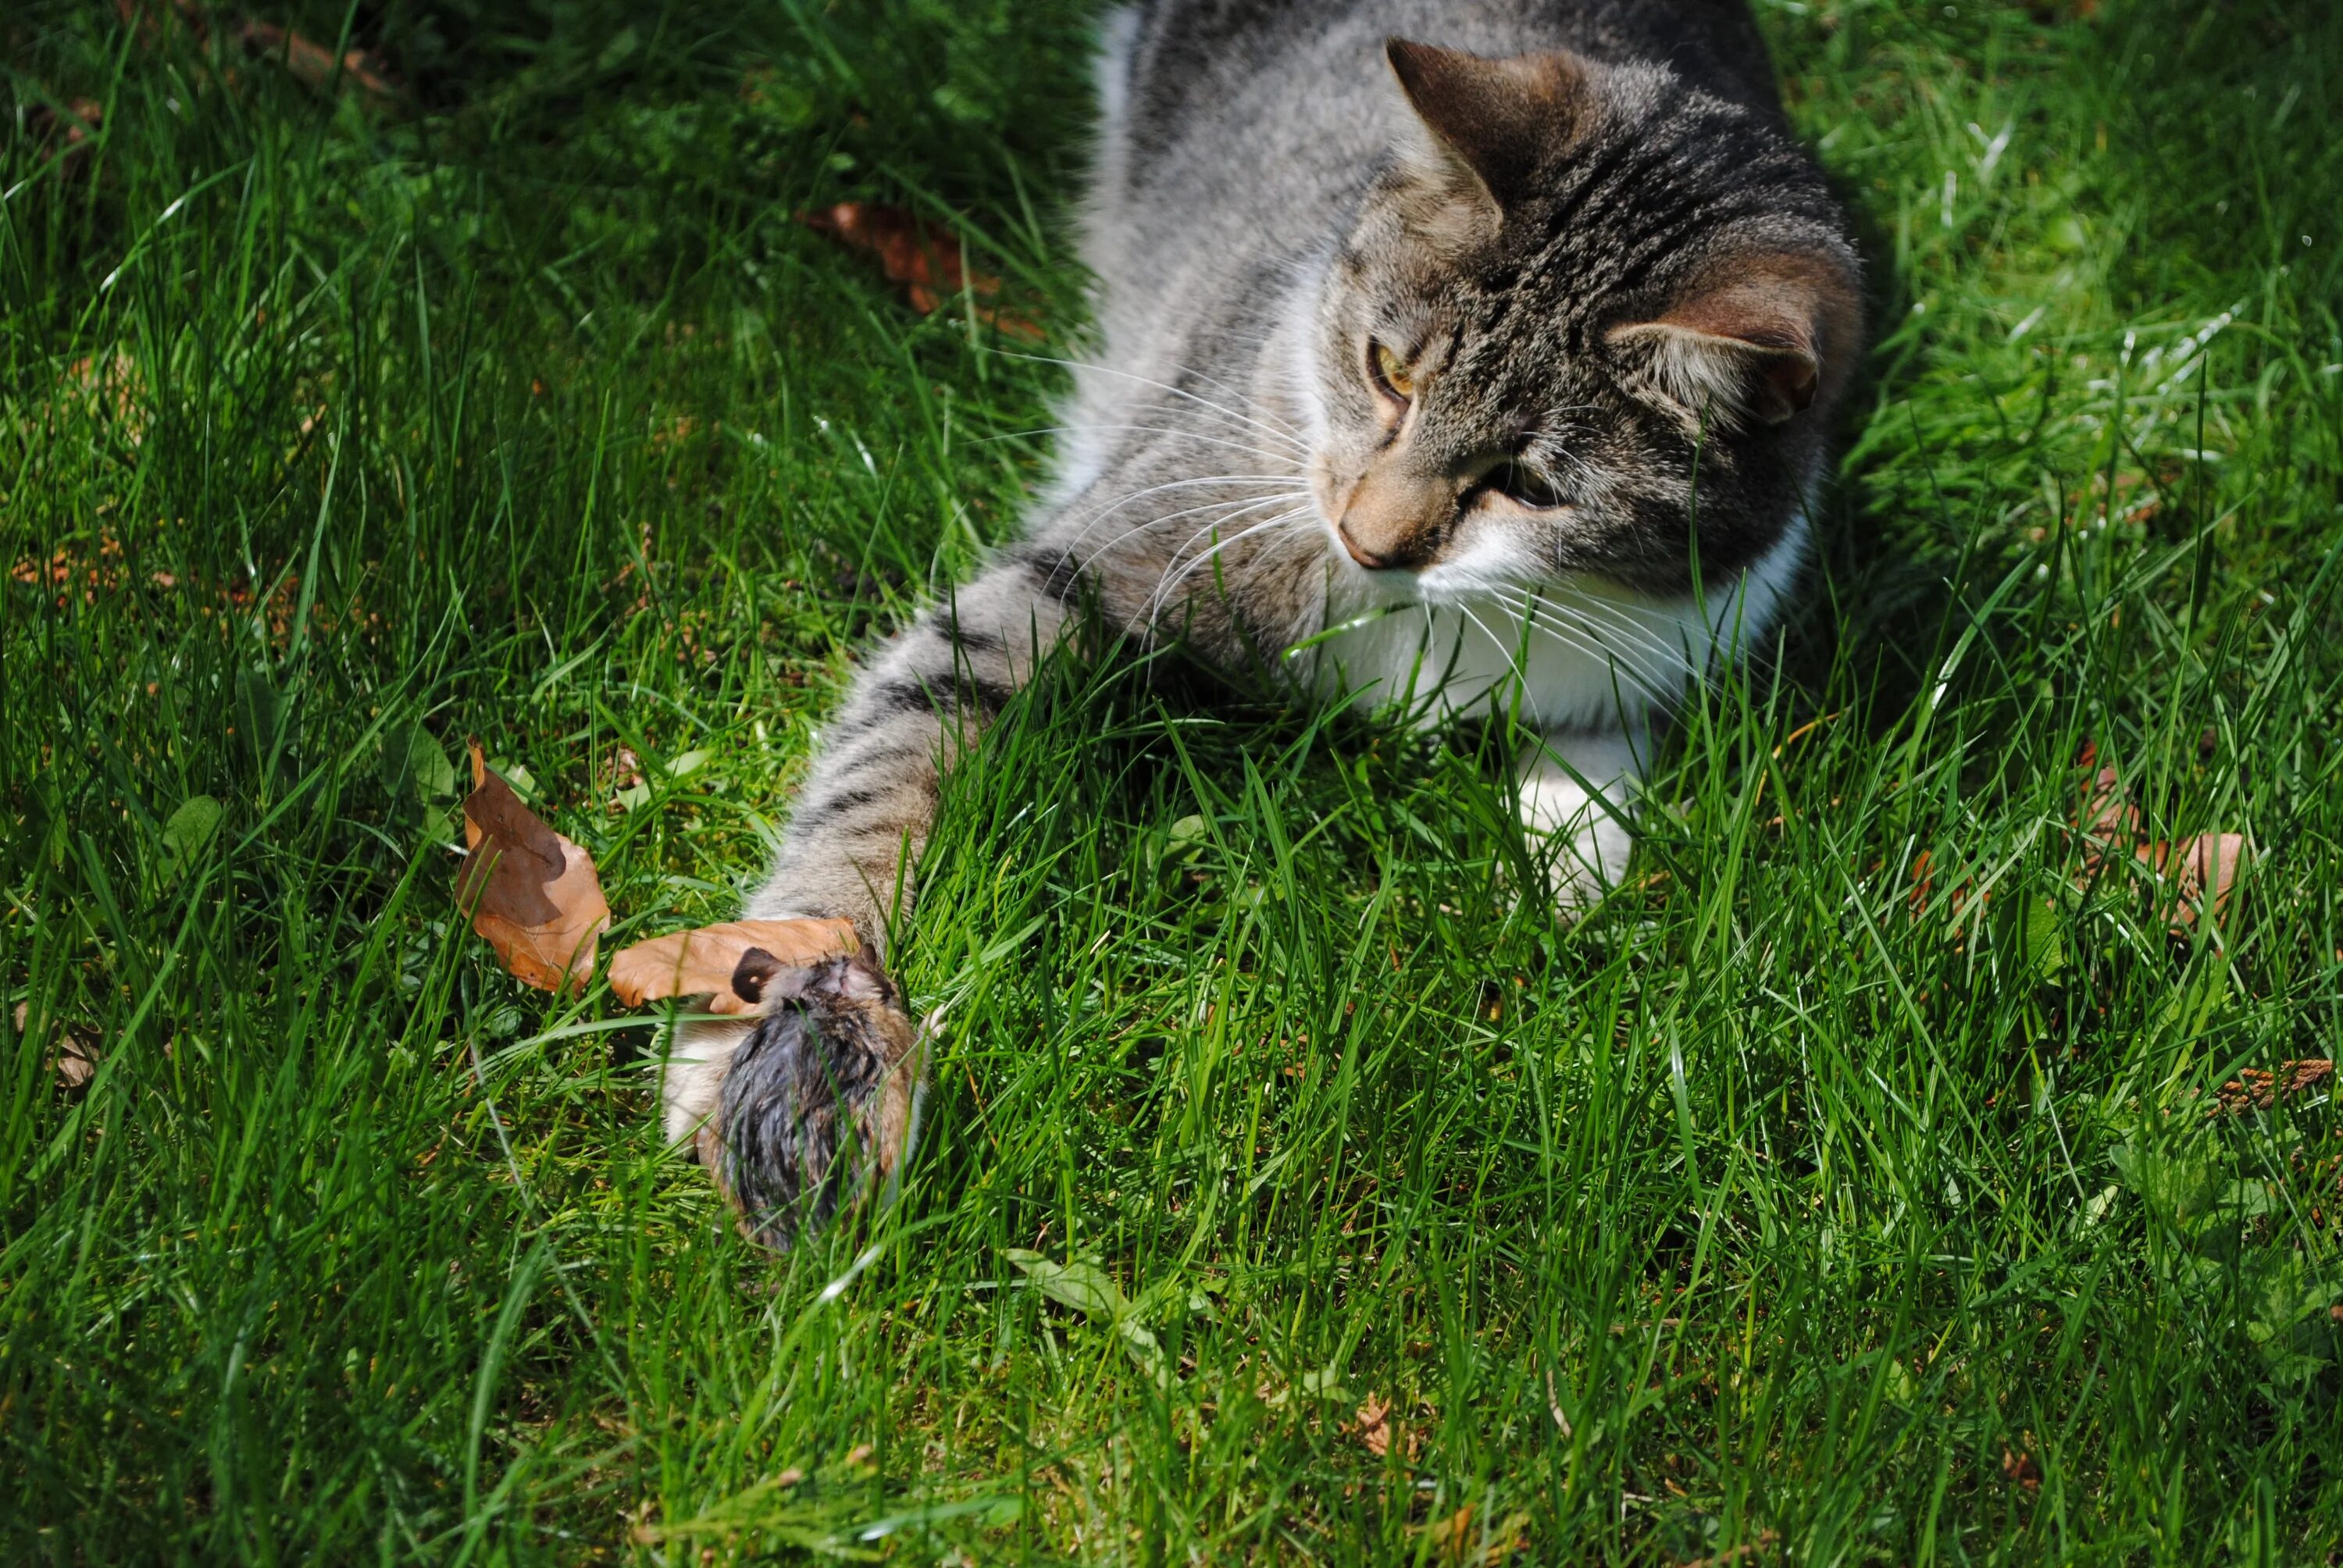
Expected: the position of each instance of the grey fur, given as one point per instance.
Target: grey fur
(1602, 266)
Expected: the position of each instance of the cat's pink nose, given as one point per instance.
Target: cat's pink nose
(1365, 558)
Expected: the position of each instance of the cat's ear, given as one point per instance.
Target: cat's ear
(1488, 125)
(1757, 338)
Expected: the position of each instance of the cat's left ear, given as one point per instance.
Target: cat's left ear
(1756, 337)
(1490, 123)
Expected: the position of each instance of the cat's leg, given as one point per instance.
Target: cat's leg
(1577, 792)
(851, 844)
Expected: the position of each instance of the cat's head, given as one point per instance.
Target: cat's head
(1576, 285)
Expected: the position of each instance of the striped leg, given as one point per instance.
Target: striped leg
(819, 1088)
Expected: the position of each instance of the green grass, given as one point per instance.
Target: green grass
(1793, 1198)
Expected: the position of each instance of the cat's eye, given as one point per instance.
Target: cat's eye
(1523, 486)
(1392, 374)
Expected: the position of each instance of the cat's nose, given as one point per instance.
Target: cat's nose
(1368, 559)
(1394, 521)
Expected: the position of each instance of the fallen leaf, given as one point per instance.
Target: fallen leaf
(728, 963)
(313, 63)
(2203, 870)
(75, 1059)
(2020, 1466)
(922, 256)
(533, 894)
(1452, 1534)
(1373, 1426)
(2258, 1089)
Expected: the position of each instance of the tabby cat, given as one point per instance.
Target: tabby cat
(1421, 344)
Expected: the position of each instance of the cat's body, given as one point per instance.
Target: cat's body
(1412, 357)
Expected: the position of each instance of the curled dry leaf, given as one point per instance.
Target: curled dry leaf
(730, 963)
(924, 258)
(534, 894)
(1373, 1426)
(314, 65)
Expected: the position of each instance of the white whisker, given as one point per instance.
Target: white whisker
(1280, 430)
(1249, 481)
(1163, 594)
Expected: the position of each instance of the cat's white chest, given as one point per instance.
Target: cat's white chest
(1568, 665)
(1574, 655)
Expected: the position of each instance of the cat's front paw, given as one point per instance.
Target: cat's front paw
(1585, 841)
(814, 1107)
(1576, 792)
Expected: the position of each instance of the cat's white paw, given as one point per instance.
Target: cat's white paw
(1575, 791)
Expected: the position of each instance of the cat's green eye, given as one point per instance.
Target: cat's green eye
(1390, 372)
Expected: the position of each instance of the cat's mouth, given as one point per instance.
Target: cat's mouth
(1431, 558)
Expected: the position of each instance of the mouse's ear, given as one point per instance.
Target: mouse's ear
(1490, 125)
(1755, 338)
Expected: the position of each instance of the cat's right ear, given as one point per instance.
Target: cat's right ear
(1485, 127)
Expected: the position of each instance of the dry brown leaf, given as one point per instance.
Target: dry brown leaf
(2020, 1466)
(75, 1057)
(728, 963)
(922, 256)
(534, 894)
(2203, 870)
(314, 64)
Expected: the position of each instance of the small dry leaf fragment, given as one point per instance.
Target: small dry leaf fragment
(74, 1059)
(1372, 1425)
(533, 894)
(923, 256)
(730, 963)
(2020, 1466)
(2258, 1089)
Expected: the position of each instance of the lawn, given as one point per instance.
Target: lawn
(1858, 1184)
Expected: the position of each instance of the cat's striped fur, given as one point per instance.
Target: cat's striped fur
(1423, 343)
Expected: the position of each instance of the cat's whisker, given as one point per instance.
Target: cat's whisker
(1643, 646)
(1233, 510)
(1165, 588)
(1583, 640)
(1656, 681)
(1228, 510)
(1279, 430)
(1249, 442)
(1280, 520)
(1248, 481)
(1674, 659)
